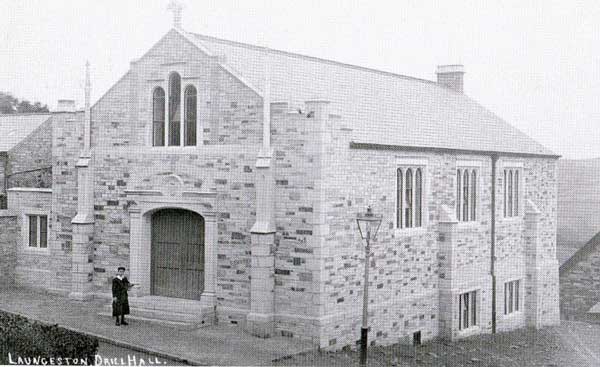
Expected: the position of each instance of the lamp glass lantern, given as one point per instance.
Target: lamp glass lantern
(368, 224)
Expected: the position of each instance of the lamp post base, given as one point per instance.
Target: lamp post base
(363, 346)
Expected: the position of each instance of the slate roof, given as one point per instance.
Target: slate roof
(383, 108)
(16, 127)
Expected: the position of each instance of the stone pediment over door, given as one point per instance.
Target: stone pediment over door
(168, 184)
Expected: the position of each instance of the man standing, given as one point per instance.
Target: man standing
(120, 286)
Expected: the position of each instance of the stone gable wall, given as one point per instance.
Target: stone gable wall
(230, 117)
(228, 112)
(30, 161)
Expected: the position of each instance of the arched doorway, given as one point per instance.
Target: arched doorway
(177, 254)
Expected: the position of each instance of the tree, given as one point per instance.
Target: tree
(10, 104)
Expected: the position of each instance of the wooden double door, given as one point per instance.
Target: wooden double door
(177, 254)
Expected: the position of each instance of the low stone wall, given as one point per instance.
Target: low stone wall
(8, 247)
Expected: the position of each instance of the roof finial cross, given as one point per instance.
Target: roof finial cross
(177, 8)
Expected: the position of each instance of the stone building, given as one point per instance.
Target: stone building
(227, 178)
(578, 205)
(579, 238)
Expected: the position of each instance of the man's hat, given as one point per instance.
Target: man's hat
(121, 267)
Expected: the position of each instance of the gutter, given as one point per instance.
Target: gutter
(493, 241)
(409, 148)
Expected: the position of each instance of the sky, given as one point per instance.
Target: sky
(534, 63)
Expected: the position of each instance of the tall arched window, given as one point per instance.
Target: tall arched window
(158, 117)
(418, 191)
(516, 194)
(458, 195)
(465, 213)
(189, 131)
(510, 194)
(473, 195)
(174, 109)
(505, 190)
(399, 192)
(409, 199)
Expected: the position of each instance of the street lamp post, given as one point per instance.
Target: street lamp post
(368, 225)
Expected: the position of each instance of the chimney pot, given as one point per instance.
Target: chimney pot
(451, 76)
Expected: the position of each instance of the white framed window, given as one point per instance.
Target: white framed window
(467, 310)
(37, 230)
(466, 194)
(174, 113)
(512, 193)
(512, 296)
(410, 183)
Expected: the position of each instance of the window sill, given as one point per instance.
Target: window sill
(406, 232)
(175, 147)
(473, 330)
(512, 315)
(36, 250)
(469, 224)
(511, 219)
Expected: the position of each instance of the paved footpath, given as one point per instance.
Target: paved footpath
(211, 345)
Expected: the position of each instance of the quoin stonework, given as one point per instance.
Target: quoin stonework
(227, 178)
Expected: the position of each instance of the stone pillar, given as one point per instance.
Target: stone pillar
(260, 320)
(82, 267)
(448, 225)
(138, 273)
(208, 297)
(539, 272)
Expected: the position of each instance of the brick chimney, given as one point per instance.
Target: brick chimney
(65, 105)
(451, 76)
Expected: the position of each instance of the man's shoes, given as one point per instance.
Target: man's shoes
(124, 322)
(118, 323)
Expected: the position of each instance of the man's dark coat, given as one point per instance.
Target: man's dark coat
(119, 290)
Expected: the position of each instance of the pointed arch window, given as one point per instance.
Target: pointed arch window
(158, 117)
(418, 196)
(189, 132)
(505, 191)
(465, 209)
(473, 195)
(516, 194)
(511, 192)
(399, 194)
(409, 197)
(466, 194)
(458, 195)
(174, 108)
